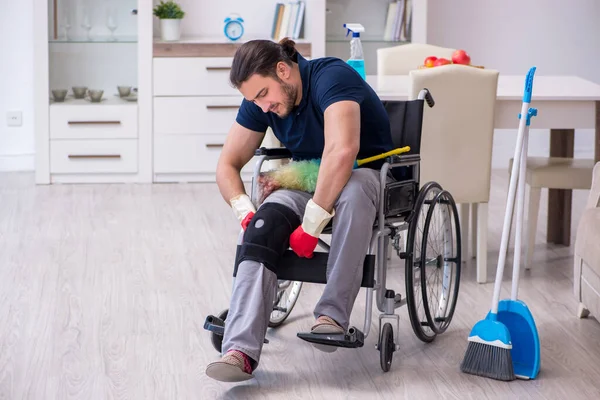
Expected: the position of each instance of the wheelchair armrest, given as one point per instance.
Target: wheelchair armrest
(400, 160)
(273, 152)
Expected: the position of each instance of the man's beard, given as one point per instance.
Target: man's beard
(291, 94)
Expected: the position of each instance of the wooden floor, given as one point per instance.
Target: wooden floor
(104, 290)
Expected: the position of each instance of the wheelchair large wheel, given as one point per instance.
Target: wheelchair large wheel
(413, 269)
(440, 261)
(285, 300)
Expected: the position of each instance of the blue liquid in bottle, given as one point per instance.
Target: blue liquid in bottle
(359, 66)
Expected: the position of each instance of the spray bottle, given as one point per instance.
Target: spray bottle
(357, 59)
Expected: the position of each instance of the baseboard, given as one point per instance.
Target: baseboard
(19, 162)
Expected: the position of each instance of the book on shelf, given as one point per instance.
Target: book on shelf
(288, 20)
(398, 21)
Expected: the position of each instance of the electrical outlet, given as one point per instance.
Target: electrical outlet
(14, 118)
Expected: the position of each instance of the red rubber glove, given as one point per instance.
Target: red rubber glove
(247, 220)
(305, 238)
(302, 243)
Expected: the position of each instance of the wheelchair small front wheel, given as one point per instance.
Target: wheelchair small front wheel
(386, 347)
(285, 299)
(217, 340)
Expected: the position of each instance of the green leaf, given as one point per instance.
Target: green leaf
(168, 10)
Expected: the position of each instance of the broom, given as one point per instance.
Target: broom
(489, 350)
(302, 175)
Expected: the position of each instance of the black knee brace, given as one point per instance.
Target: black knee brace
(268, 234)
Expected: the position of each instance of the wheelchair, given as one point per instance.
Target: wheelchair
(420, 221)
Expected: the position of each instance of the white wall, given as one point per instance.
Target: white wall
(558, 37)
(16, 84)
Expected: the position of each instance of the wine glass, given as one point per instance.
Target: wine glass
(66, 24)
(112, 22)
(87, 25)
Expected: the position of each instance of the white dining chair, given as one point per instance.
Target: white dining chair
(456, 144)
(550, 173)
(400, 60)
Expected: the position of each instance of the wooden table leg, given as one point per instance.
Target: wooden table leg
(562, 143)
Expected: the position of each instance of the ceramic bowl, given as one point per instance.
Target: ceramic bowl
(79, 91)
(124, 91)
(59, 95)
(96, 95)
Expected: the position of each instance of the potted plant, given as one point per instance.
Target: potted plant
(170, 15)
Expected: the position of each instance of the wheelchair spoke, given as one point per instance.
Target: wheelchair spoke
(286, 297)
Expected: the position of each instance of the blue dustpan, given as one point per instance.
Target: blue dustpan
(517, 317)
(513, 313)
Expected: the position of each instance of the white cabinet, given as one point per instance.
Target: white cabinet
(194, 108)
(185, 104)
(108, 44)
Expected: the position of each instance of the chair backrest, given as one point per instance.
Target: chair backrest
(400, 60)
(594, 195)
(457, 134)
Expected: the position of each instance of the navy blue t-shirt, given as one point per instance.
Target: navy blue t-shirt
(324, 81)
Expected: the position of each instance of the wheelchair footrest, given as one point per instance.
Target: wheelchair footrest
(353, 339)
(217, 326)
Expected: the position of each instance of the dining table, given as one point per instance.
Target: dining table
(564, 103)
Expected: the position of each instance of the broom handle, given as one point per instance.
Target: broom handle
(399, 150)
(520, 209)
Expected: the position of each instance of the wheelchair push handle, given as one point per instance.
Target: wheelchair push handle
(425, 94)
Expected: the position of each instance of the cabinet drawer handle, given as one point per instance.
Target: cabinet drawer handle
(94, 156)
(218, 68)
(214, 145)
(222, 107)
(94, 122)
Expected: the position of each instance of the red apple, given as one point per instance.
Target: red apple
(461, 57)
(429, 61)
(441, 61)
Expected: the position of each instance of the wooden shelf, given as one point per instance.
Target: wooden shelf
(208, 48)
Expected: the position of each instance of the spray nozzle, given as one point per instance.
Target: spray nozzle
(355, 29)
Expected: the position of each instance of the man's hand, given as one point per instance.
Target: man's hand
(304, 239)
(243, 209)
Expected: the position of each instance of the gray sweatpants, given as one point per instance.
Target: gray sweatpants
(255, 286)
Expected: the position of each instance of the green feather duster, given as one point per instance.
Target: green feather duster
(296, 175)
(302, 175)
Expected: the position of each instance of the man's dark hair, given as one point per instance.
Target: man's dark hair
(260, 57)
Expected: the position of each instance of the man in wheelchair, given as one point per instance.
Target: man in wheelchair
(318, 109)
